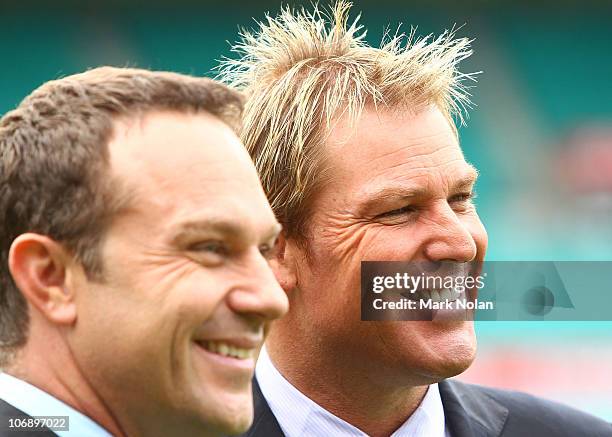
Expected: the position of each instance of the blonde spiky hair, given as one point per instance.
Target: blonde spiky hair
(301, 70)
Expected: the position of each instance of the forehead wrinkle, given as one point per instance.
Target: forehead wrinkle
(428, 167)
(425, 155)
(343, 135)
(419, 172)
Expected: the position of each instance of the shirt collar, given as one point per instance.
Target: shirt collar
(299, 415)
(36, 402)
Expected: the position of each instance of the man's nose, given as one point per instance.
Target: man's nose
(259, 294)
(448, 238)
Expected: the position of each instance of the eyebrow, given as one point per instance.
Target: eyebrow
(466, 181)
(222, 226)
(401, 192)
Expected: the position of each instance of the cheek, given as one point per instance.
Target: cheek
(131, 339)
(336, 270)
(330, 302)
(166, 306)
(185, 290)
(389, 243)
(199, 293)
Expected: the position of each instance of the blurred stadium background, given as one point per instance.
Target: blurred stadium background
(541, 134)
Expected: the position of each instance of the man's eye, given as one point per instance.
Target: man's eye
(214, 247)
(405, 210)
(462, 197)
(268, 250)
(462, 202)
(265, 249)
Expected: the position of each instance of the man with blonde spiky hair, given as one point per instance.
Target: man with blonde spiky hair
(359, 156)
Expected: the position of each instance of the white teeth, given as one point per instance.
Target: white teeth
(423, 294)
(439, 295)
(228, 350)
(435, 295)
(223, 349)
(446, 294)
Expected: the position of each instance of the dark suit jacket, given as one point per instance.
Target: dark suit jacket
(475, 411)
(7, 411)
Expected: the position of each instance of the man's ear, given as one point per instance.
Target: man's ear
(38, 265)
(283, 264)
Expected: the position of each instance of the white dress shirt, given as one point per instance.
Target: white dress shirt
(300, 416)
(36, 402)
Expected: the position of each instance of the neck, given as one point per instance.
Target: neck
(365, 398)
(59, 375)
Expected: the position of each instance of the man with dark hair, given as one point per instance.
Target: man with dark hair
(134, 284)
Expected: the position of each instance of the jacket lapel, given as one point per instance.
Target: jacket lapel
(7, 411)
(469, 412)
(264, 422)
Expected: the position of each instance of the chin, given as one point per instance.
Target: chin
(433, 369)
(236, 417)
(450, 360)
(457, 364)
(235, 425)
(433, 352)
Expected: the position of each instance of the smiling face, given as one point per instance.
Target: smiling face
(399, 190)
(179, 318)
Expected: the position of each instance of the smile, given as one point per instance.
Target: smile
(436, 295)
(228, 350)
(443, 295)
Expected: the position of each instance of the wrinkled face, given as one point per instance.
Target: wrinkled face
(179, 319)
(399, 190)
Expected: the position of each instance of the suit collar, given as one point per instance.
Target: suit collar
(297, 414)
(470, 412)
(36, 402)
(7, 412)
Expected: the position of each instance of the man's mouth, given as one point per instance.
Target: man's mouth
(228, 350)
(436, 295)
(442, 295)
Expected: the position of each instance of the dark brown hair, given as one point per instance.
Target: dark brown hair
(54, 163)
